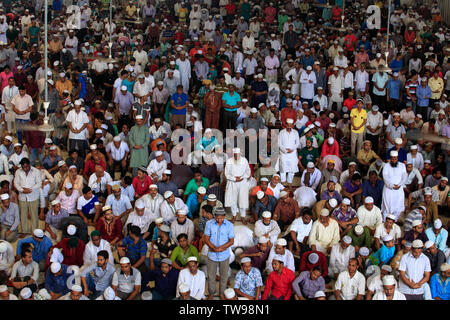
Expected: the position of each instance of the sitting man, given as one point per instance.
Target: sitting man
(134, 247)
(248, 282)
(345, 216)
(97, 277)
(126, 282)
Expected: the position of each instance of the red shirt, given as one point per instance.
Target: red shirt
(327, 149)
(230, 7)
(348, 42)
(336, 12)
(141, 188)
(279, 284)
(89, 167)
(72, 256)
(110, 231)
(306, 266)
(287, 113)
(349, 103)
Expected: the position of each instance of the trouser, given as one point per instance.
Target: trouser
(178, 119)
(290, 177)
(158, 111)
(424, 112)
(413, 296)
(112, 168)
(10, 122)
(156, 295)
(356, 142)
(29, 208)
(35, 155)
(11, 237)
(212, 119)
(235, 209)
(223, 271)
(19, 128)
(283, 224)
(79, 145)
(335, 98)
(124, 296)
(394, 104)
(229, 119)
(124, 118)
(379, 101)
(91, 286)
(346, 91)
(374, 139)
(303, 247)
(271, 76)
(33, 287)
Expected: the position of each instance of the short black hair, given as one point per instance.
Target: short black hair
(24, 161)
(207, 208)
(73, 150)
(307, 211)
(135, 230)
(128, 180)
(22, 87)
(181, 236)
(4, 183)
(317, 268)
(104, 254)
(86, 189)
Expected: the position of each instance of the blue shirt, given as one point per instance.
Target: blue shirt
(307, 61)
(440, 240)
(135, 251)
(396, 65)
(48, 163)
(380, 81)
(231, 100)
(440, 288)
(219, 235)
(101, 278)
(40, 250)
(384, 254)
(165, 285)
(247, 283)
(423, 95)
(401, 154)
(394, 88)
(192, 204)
(57, 284)
(179, 100)
(82, 81)
(118, 206)
(373, 191)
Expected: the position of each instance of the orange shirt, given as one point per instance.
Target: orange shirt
(268, 191)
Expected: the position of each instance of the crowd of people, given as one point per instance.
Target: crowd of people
(348, 199)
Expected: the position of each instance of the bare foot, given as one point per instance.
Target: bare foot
(210, 297)
(244, 222)
(233, 220)
(222, 297)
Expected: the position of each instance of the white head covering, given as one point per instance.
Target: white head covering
(55, 267)
(229, 293)
(183, 287)
(282, 242)
(109, 294)
(313, 258)
(57, 256)
(25, 293)
(389, 280)
(71, 230)
(347, 239)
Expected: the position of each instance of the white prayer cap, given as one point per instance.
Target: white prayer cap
(49, 73)
(394, 153)
(359, 230)
(324, 212)
(260, 76)
(429, 244)
(352, 164)
(98, 131)
(68, 185)
(263, 240)
(116, 138)
(415, 223)
(387, 268)
(17, 145)
(182, 212)
(3, 288)
(38, 233)
(9, 138)
(266, 214)
(55, 267)
(445, 267)
(183, 287)
(346, 201)
(389, 280)
(124, 88)
(77, 288)
(192, 258)
(428, 192)
(254, 110)
(414, 147)
(398, 141)
(153, 186)
(104, 126)
(245, 260)
(313, 258)
(78, 102)
(61, 163)
(245, 100)
(124, 260)
(71, 229)
(4, 196)
(388, 238)
(364, 251)
(282, 242)
(158, 153)
(290, 121)
(229, 293)
(25, 293)
(319, 294)
(347, 239)
(140, 205)
(160, 83)
(310, 164)
(52, 148)
(391, 216)
(94, 146)
(308, 68)
(159, 220)
(333, 202)
(283, 193)
(3, 247)
(330, 140)
(437, 224)
(378, 55)
(109, 294)
(260, 194)
(167, 171)
(168, 194)
(368, 200)
(110, 66)
(278, 257)
(164, 228)
(236, 150)
(55, 202)
(48, 140)
(444, 179)
(417, 243)
(212, 197)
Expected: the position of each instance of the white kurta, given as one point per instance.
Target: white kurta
(187, 228)
(295, 75)
(90, 252)
(236, 193)
(272, 229)
(288, 258)
(288, 140)
(152, 204)
(185, 73)
(168, 211)
(7, 258)
(382, 296)
(195, 282)
(393, 200)
(371, 219)
(339, 258)
(156, 167)
(143, 222)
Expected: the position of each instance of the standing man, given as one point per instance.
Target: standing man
(394, 176)
(28, 181)
(237, 171)
(380, 82)
(358, 119)
(78, 120)
(231, 101)
(139, 140)
(219, 236)
(289, 142)
(22, 104)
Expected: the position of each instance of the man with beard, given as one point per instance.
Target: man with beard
(289, 142)
(97, 277)
(394, 176)
(389, 291)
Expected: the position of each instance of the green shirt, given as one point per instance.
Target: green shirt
(309, 155)
(192, 186)
(362, 240)
(319, 138)
(181, 256)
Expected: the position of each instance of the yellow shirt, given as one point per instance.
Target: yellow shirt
(366, 157)
(131, 10)
(358, 119)
(436, 85)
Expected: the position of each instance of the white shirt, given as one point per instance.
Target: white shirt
(117, 154)
(142, 89)
(99, 186)
(90, 252)
(272, 229)
(187, 227)
(381, 231)
(157, 167)
(32, 180)
(305, 196)
(288, 140)
(301, 228)
(287, 257)
(276, 190)
(336, 83)
(348, 80)
(141, 58)
(307, 87)
(323, 101)
(168, 211)
(143, 222)
(414, 271)
(340, 257)
(77, 120)
(249, 65)
(361, 79)
(314, 179)
(350, 287)
(417, 161)
(196, 283)
(374, 121)
(152, 204)
(380, 295)
(371, 219)
(8, 94)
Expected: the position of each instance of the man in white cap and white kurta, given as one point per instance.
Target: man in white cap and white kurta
(389, 291)
(341, 253)
(152, 201)
(139, 217)
(182, 225)
(280, 249)
(266, 227)
(170, 205)
(394, 176)
(369, 215)
(7, 257)
(5, 295)
(288, 141)
(237, 171)
(157, 166)
(194, 278)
